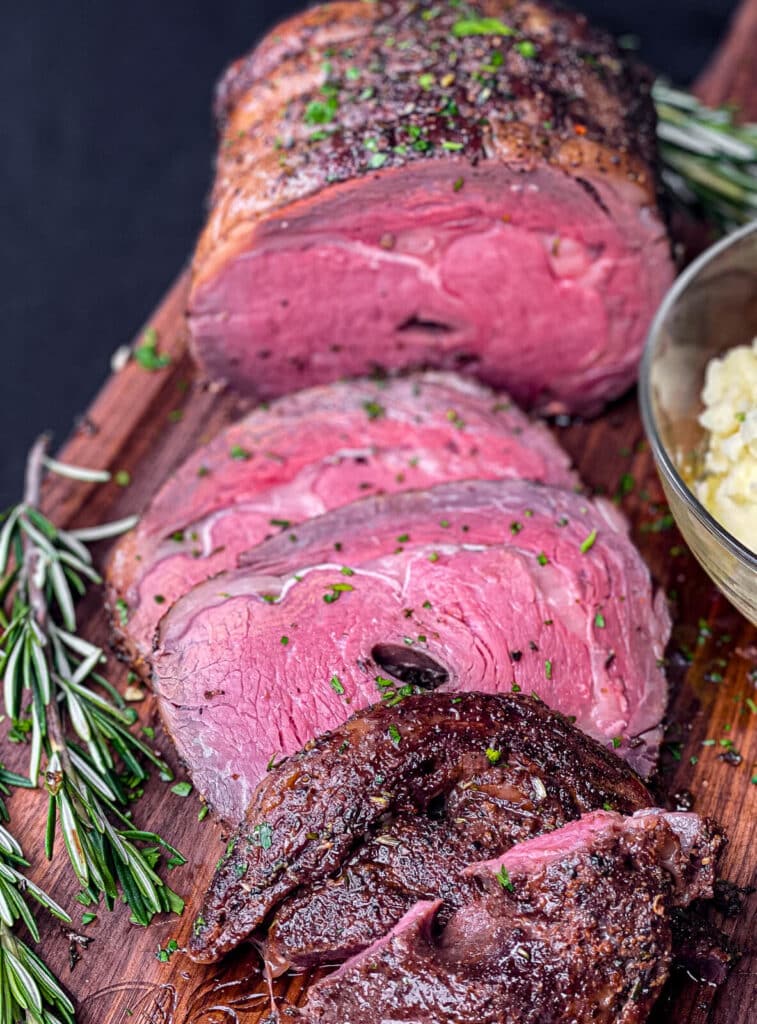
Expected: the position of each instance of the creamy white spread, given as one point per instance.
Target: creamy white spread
(728, 487)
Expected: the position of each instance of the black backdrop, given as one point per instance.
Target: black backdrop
(106, 152)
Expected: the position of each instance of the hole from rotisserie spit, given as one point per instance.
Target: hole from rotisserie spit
(436, 807)
(409, 666)
(417, 323)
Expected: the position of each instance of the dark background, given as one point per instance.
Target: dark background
(107, 144)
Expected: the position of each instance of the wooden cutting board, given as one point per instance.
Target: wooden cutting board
(147, 423)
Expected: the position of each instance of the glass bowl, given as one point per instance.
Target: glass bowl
(711, 308)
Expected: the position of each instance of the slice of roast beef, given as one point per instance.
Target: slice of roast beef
(305, 454)
(420, 185)
(462, 776)
(416, 856)
(571, 926)
(480, 584)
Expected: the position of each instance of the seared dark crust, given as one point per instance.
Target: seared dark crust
(396, 85)
(577, 933)
(414, 857)
(307, 814)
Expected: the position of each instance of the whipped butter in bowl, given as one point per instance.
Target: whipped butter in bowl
(728, 485)
(698, 397)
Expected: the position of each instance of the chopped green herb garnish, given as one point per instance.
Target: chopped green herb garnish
(374, 410)
(262, 836)
(122, 478)
(336, 685)
(452, 147)
(147, 356)
(617, 741)
(548, 669)
(503, 878)
(526, 48)
(321, 111)
(541, 558)
(665, 522)
(239, 453)
(493, 756)
(123, 611)
(284, 640)
(588, 543)
(283, 523)
(599, 620)
(626, 484)
(481, 27)
(182, 788)
(458, 184)
(426, 80)
(394, 735)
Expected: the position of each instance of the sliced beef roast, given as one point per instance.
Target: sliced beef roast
(425, 185)
(481, 584)
(571, 926)
(305, 454)
(438, 781)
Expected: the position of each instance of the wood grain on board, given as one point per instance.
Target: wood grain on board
(147, 423)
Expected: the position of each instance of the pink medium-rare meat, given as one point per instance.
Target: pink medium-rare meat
(305, 454)
(406, 185)
(471, 585)
(575, 925)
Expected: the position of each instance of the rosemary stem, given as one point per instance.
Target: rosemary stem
(34, 470)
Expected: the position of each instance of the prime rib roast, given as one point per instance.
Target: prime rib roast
(412, 184)
(574, 925)
(343, 837)
(305, 454)
(419, 188)
(491, 585)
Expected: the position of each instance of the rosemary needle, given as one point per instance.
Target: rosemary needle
(71, 716)
(709, 161)
(28, 991)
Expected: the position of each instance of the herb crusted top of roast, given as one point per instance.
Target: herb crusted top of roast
(350, 88)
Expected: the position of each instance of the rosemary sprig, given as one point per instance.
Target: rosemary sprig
(57, 698)
(709, 161)
(28, 991)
